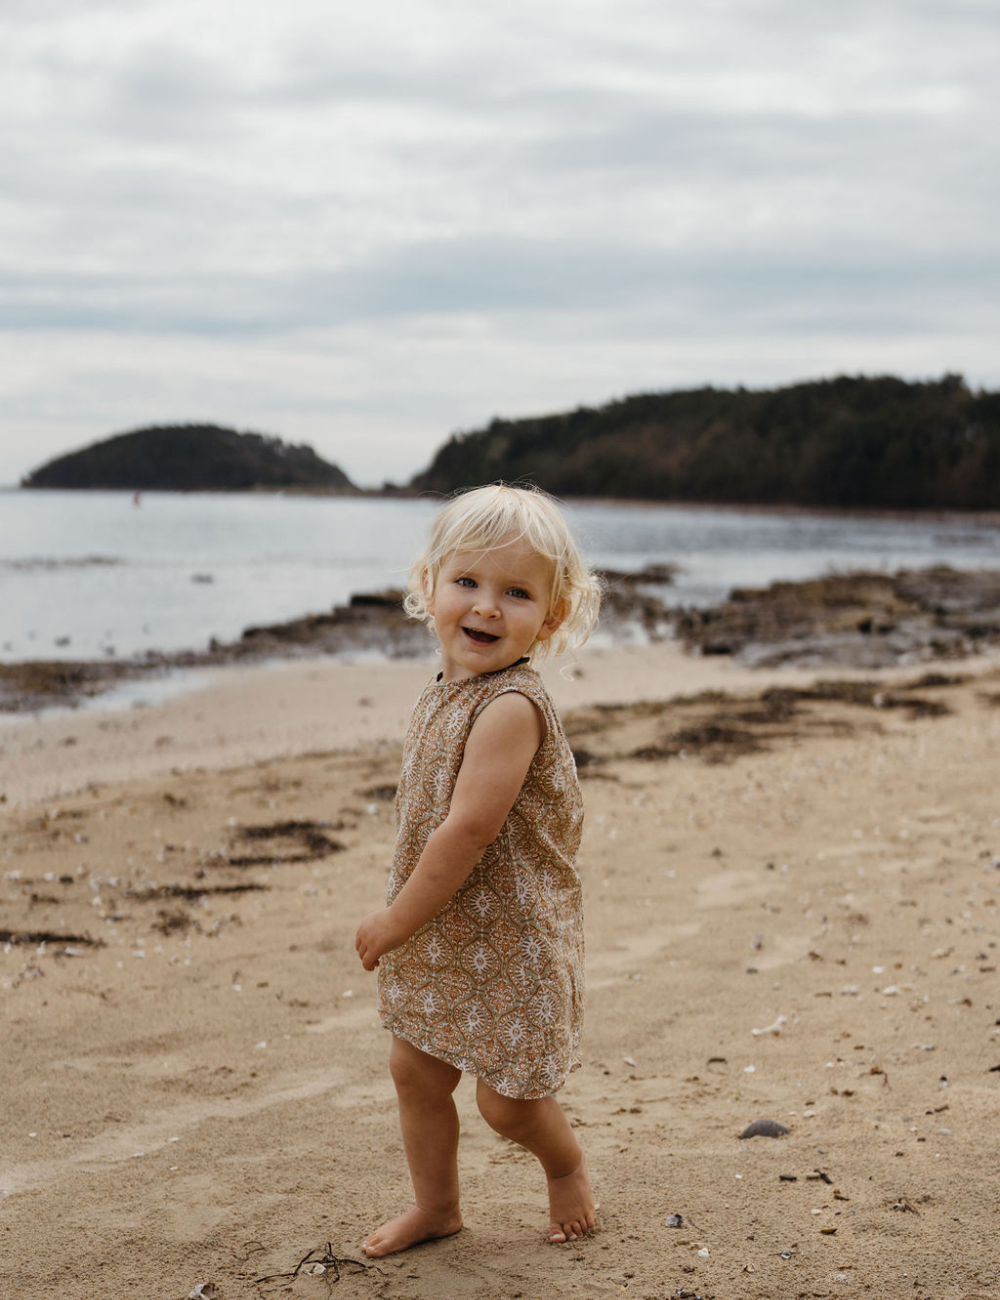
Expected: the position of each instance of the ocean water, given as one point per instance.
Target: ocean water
(91, 574)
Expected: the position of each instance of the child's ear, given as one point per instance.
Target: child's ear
(553, 622)
(427, 587)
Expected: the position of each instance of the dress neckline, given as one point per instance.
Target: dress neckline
(478, 676)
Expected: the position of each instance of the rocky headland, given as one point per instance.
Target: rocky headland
(190, 458)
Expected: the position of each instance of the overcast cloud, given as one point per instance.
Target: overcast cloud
(366, 226)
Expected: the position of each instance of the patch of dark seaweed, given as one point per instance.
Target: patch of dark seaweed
(192, 893)
(775, 705)
(874, 695)
(711, 741)
(386, 793)
(718, 727)
(38, 937)
(244, 860)
(935, 681)
(172, 921)
(309, 837)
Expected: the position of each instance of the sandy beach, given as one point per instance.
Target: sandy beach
(792, 915)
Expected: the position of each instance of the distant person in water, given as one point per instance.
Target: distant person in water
(480, 949)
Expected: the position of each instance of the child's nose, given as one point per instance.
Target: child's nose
(486, 605)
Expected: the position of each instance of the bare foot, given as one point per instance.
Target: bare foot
(571, 1205)
(409, 1229)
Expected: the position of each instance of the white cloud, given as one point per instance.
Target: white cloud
(366, 226)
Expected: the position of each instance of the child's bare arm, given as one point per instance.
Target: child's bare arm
(498, 753)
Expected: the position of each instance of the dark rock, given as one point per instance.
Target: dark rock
(764, 1128)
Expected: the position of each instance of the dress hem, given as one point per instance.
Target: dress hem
(468, 1068)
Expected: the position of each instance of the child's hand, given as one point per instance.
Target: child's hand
(375, 936)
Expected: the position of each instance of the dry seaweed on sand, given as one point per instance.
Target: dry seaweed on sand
(310, 838)
(190, 893)
(38, 937)
(320, 1262)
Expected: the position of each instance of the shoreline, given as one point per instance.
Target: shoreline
(860, 619)
(943, 514)
(237, 715)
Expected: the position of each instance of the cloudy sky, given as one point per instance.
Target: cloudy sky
(367, 225)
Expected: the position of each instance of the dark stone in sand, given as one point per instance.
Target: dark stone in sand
(768, 1128)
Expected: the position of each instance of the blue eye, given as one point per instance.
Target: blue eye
(520, 593)
(465, 582)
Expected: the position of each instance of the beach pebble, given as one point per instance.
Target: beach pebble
(675, 1220)
(764, 1128)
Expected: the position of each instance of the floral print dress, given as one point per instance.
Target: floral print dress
(494, 983)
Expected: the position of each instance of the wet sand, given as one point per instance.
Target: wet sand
(792, 907)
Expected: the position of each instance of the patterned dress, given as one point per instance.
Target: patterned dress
(494, 983)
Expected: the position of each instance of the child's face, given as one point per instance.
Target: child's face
(490, 608)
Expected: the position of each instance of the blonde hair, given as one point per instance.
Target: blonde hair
(487, 517)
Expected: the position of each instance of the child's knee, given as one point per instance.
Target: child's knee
(504, 1115)
(414, 1070)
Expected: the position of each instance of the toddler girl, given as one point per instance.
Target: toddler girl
(480, 950)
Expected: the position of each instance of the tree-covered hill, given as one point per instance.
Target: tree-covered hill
(849, 441)
(186, 458)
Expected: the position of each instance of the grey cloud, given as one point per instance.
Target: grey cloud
(163, 86)
(35, 13)
(502, 276)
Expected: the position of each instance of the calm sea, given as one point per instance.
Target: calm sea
(88, 574)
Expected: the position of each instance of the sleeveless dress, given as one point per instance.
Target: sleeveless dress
(494, 983)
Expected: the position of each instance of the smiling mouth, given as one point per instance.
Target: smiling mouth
(480, 638)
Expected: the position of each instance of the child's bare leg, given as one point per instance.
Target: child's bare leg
(543, 1129)
(429, 1122)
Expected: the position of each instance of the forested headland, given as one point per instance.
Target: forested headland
(844, 442)
(189, 458)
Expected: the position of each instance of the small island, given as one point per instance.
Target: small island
(190, 458)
